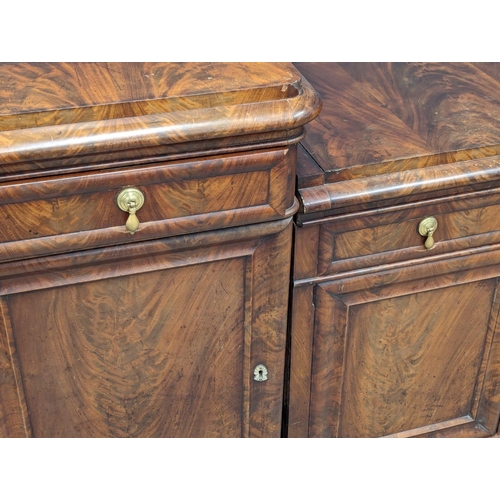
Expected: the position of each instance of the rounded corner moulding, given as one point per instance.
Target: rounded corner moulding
(398, 185)
(182, 126)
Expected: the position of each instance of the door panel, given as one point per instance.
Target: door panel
(165, 350)
(409, 362)
(136, 355)
(420, 359)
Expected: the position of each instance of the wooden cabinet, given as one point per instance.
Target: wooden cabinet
(167, 316)
(153, 340)
(388, 337)
(150, 214)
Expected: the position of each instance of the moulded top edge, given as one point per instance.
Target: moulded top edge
(45, 94)
(258, 106)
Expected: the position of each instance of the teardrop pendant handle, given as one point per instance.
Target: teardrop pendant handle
(130, 200)
(132, 223)
(427, 228)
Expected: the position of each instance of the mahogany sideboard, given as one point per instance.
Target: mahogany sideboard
(150, 215)
(395, 307)
(146, 213)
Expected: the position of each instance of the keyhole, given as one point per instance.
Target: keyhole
(260, 373)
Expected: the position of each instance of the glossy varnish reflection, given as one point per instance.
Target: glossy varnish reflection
(105, 333)
(63, 114)
(150, 340)
(387, 117)
(390, 338)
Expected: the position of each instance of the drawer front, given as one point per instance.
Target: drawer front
(79, 211)
(392, 235)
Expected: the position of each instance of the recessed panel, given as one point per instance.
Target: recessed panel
(158, 354)
(413, 360)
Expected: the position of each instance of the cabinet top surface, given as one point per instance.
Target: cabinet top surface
(385, 117)
(51, 111)
(37, 87)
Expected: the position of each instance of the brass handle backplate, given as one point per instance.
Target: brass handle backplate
(130, 200)
(427, 228)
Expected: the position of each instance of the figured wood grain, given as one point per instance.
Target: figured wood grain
(50, 271)
(346, 308)
(117, 336)
(353, 127)
(145, 355)
(424, 373)
(301, 331)
(156, 341)
(149, 156)
(471, 263)
(487, 386)
(385, 117)
(474, 226)
(327, 354)
(400, 187)
(78, 211)
(14, 420)
(391, 236)
(409, 364)
(269, 296)
(128, 121)
(404, 341)
(306, 252)
(29, 88)
(163, 201)
(405, 234)
(453, 106)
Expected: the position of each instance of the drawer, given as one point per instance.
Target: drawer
(390, 235)
(78, 211)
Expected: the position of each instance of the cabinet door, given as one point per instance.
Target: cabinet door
(408, 352)
(152, 340)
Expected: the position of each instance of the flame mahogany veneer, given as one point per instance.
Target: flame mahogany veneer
(158, 332)
(389, 338)
(170, 331)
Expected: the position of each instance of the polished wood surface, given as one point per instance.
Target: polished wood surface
(103, 90)
(56, 214)
(386, 117)
(413, 377)
(14, 420)
(400, 187)
(78, 114)
(106, 359)
(387, 129)
(389, 338)
(384, 236)
(407, 352)
(157, 333)
(153, 340)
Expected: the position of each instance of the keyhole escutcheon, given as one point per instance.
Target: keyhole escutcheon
(260, 373)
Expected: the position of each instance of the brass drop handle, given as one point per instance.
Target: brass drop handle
(427, 228)
(130, 200)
